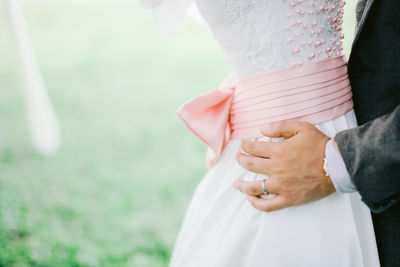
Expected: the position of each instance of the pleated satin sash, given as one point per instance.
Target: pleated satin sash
(315, 93)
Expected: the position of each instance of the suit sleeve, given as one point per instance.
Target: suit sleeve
(371, 153)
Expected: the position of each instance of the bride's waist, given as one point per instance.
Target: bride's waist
(315, 93)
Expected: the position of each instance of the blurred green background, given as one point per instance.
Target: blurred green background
(116, 193)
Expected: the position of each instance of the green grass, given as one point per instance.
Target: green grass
(116, 192)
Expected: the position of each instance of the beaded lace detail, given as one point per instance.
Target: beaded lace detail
(257, 36)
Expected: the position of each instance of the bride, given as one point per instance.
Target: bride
(287, 64)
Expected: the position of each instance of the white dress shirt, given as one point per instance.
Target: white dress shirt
(337, 170)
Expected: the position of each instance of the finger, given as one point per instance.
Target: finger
(259, 148)
(254, 164)
(254, 188)
(274, 203)
(285, 129)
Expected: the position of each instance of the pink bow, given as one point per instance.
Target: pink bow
(207, 117)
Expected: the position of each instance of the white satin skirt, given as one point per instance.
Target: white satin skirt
(222, 229)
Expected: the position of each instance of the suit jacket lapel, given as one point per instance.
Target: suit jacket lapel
(361, 23)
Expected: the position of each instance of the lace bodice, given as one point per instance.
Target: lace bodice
(257, 36)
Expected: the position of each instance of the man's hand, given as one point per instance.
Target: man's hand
(294, 166)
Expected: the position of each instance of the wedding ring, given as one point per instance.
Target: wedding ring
(264, 190)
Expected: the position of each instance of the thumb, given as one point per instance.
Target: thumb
(285, 129)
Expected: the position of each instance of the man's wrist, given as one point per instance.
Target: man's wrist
(336, 169)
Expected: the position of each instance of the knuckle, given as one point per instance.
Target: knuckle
(242, 159)
(249, 146)
(252, 190)
(305, 125)
(279, 170)
(249, 163)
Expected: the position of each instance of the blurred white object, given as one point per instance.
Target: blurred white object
(43, 124)
(167, 14)
(194, 13)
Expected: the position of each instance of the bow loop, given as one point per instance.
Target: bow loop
(207, 117)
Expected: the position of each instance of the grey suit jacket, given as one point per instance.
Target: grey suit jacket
(372, 151)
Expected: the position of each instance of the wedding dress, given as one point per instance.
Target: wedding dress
(221, 228)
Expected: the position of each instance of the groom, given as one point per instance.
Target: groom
(364, 159)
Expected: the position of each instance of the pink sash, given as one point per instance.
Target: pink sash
(314, 93)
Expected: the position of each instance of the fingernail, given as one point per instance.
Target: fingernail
(236, 184)
(266, 128)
